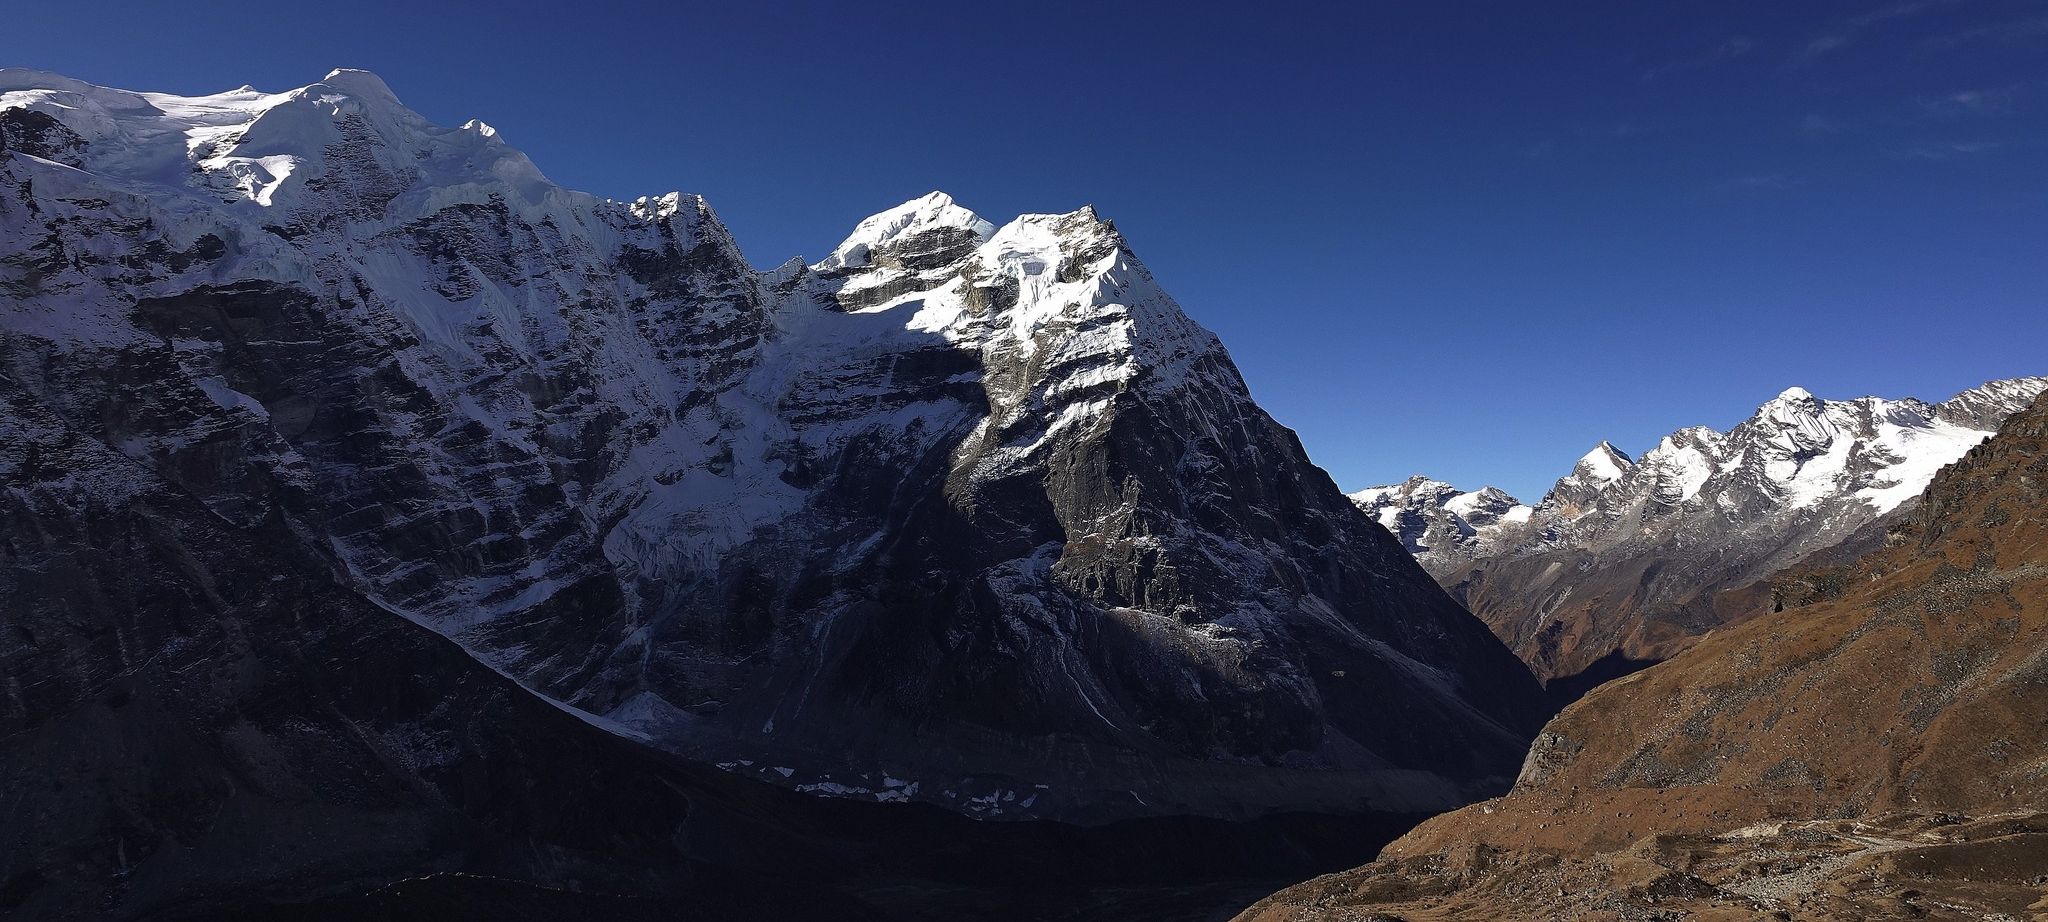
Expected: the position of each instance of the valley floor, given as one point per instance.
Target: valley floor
(1898, 866)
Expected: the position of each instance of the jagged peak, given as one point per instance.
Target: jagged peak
(791, 269)
(1792, 402)
(1082, 218)
(1436, 491)
(1604, 462)
(1373, 494)
(265, 146)
(928, 212)
(1413, 483)
(1495, 493)
(1032, 244)
(657, 207)
(1690, 437)
(1420, 485)
(1481, 504)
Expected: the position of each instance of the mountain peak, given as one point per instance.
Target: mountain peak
(933, 211)
(657, 207)
(359, 83)
(1437, 521)
(1605, 462)
(278, 150)
(1794, 405)
(1712, 511)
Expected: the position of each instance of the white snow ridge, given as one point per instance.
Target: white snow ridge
(1799, 474)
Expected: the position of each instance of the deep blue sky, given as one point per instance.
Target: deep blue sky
(1468, 239)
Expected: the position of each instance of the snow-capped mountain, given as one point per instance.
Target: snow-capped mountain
(1847, 460)
(1627, 557)
(961, 513)
(1906, 684)
(1590, 477)
(1430, 516)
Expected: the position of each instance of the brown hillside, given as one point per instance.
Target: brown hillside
(1881, 752)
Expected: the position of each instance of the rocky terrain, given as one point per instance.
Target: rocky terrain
(1437, 522)
(1628, 561)
(1877, 750)
(375, 505)
(206, 725)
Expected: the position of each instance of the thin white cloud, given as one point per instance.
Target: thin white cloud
(1818, 48)
(1846, 31)
(1894, 11)
(1944, 151)
(1995, 101)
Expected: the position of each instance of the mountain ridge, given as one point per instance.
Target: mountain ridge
(1871, 751)
(1620, 561)
(954, 481)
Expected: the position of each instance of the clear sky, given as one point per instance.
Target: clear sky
(1462, 238)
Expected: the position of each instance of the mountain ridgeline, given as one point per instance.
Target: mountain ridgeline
(1628, 561)
(358, 476)
(1873, 751)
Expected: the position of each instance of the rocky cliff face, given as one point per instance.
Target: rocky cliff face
(202, 720)
(960, 514)
(1875, 753)
(198, 713)
(1629, 560)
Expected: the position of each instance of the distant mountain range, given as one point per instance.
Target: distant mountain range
(1874, 750)
(1629, 560)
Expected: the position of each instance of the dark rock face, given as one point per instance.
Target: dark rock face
(38, 135)
(202, 723)
(963, 516)
(1080, 570)
(198, 711)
